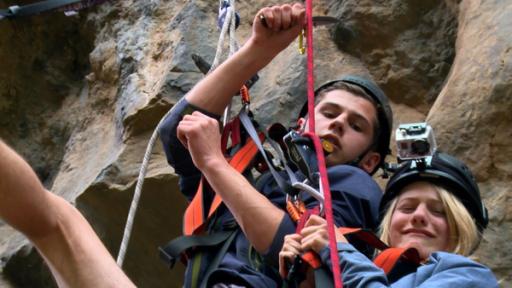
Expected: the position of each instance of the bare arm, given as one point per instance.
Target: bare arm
(283, 24)
(257, 216)
(75, 254)
(23, 199)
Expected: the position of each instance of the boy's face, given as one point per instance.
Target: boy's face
(347, 121)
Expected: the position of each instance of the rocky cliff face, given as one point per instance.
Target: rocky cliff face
(80, 97)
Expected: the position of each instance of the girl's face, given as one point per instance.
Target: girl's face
(419, 220)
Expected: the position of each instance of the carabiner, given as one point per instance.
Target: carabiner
(302, 48)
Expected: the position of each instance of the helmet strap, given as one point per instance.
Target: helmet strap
(357, 161)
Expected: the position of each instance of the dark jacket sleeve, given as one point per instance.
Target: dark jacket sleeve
(177, 155)
(268, 187)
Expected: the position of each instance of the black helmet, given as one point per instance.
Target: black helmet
(384, 113)
(443, 170)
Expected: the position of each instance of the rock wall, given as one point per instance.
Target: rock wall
(80, 97)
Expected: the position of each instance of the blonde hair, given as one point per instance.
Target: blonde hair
(464, 235)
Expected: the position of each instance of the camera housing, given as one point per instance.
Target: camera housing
(415, 141)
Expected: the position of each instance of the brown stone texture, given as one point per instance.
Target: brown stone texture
(80, 97)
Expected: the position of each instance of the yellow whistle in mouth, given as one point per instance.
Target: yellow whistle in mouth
(327, 146)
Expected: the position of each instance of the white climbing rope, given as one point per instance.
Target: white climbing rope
(136, 196)
(228, 25)
(233, 47)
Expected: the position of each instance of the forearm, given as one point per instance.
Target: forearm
(256, 215)
(23, 199)
(215, 91)
(75, 254)
(72, 249)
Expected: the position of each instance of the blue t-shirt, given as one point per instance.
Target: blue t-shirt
(355, 199)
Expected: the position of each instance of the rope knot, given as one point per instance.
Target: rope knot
(223, 12)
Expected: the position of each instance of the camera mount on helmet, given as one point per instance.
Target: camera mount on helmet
(435, 167)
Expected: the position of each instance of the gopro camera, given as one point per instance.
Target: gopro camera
(415, 141)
